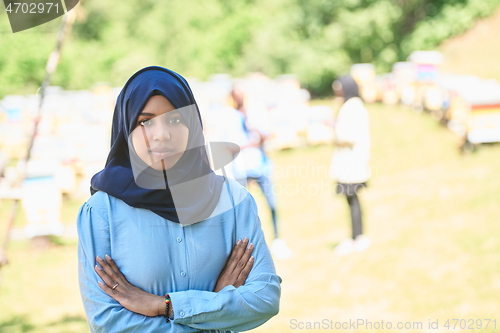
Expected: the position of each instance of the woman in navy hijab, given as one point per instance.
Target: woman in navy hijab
(162, 234)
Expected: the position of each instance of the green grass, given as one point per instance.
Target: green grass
(39, 291)
(431, 213)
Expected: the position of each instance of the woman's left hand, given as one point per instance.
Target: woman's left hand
(129, 296)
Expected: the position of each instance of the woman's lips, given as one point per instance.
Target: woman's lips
(162, 153)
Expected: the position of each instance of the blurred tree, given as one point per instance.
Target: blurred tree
(315, 39)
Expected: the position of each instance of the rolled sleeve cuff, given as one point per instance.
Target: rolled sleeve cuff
(187, 304)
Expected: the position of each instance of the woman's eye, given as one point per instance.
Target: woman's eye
(146, 122)
(174, 121)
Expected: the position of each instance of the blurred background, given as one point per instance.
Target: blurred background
(428, 73)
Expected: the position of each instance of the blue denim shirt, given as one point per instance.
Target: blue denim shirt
(160, 256)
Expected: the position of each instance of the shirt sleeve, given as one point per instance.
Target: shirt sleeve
(235, 309)
(105, 314)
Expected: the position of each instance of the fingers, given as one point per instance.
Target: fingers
(244, 261)
(245, 257)
(108, 290)
(239, 249)
(114, 268)
(108, 282)
(237, 254)
(109, 275)
(245, 271)
(244, 266)
(238, 266)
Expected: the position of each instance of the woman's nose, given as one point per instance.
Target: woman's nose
(161, 132)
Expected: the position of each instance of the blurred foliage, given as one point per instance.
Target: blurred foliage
(315, 39)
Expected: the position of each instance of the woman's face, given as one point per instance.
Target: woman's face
(160, 136)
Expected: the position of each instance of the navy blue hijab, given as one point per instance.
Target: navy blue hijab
(120, 177)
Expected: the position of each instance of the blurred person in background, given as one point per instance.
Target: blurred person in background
(257, 166)
(4, 160)
(165, 244)
(350, 161)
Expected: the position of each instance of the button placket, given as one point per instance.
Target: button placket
(180, 241)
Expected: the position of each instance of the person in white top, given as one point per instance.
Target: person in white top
(350, 161)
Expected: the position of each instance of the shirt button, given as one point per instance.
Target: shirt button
(179, 239)
(182, 313)
(183, 273)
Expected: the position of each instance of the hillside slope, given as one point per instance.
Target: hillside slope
(476, 52)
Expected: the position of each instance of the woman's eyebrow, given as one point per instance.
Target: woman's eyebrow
(147, 114)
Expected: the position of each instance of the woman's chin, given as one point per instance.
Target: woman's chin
(164, 164)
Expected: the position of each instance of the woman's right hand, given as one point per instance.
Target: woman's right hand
(237, 267)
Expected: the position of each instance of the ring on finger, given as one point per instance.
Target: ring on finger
(114, 287)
